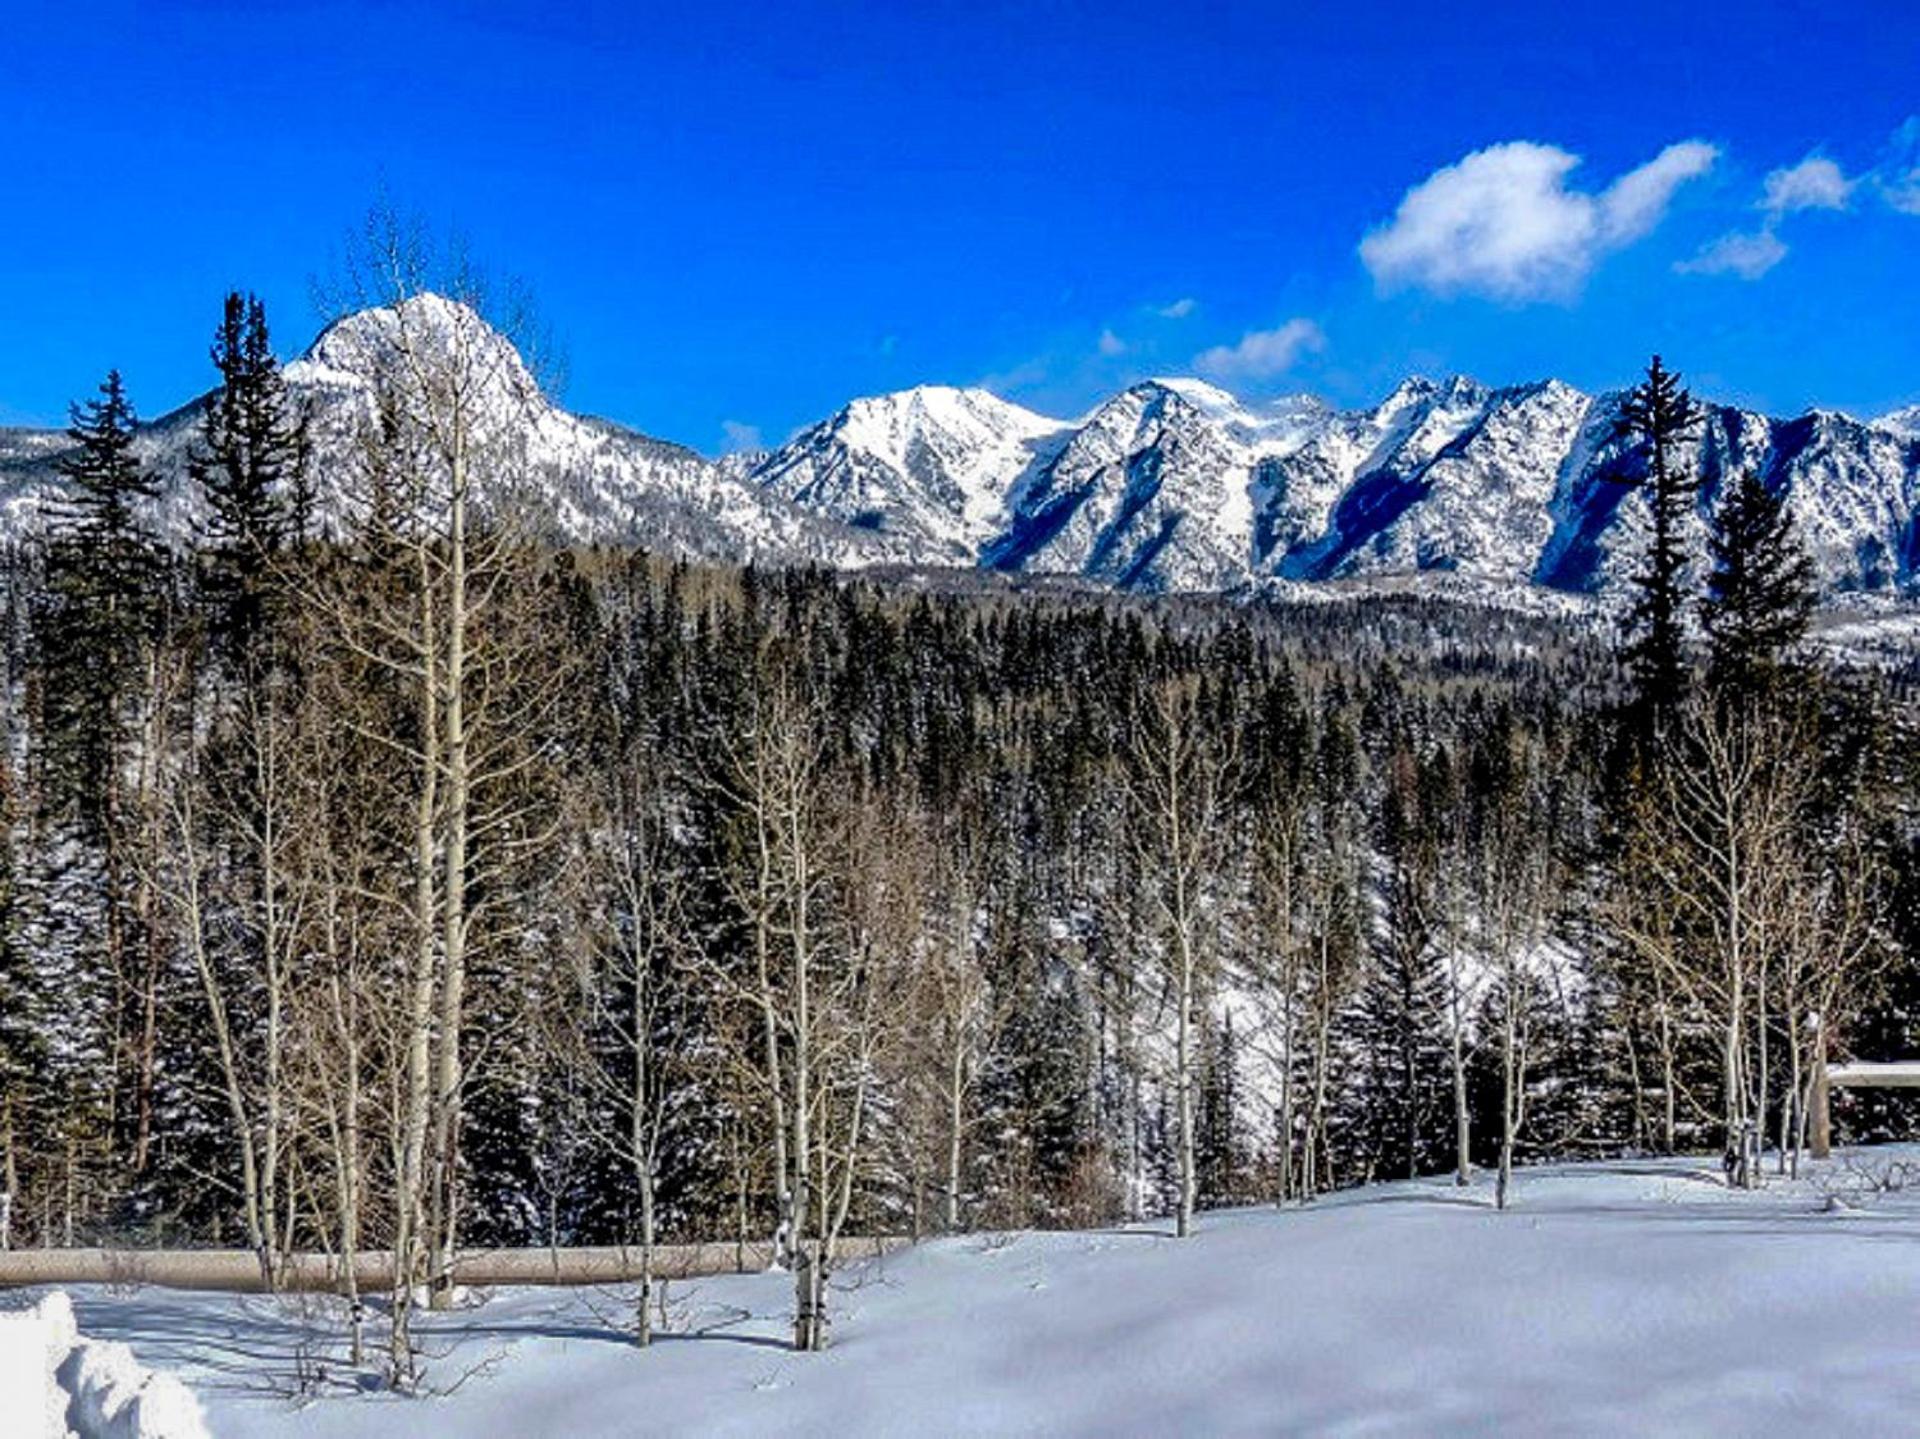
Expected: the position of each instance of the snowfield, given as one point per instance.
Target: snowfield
(1629, 1297)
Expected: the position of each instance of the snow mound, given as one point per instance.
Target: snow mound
(33, 1342)
(61, 1386)
(117, 1397)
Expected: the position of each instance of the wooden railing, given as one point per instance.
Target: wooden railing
(238, 1271)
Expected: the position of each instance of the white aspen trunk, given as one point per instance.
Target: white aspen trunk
(1669, 1090)
(410, 1201)
(1762, 1077)
(1317, 1118)
(350, 1183)
(640, 1145)
(1183, 1225)
(9, 1179)
(1790, 1102)
(1741, 1173)
(808, 1331)
(1287, 1025)
(449, 1079)
(784, 1232)
(1184, 981)
(254, 1213)
(956, 1127)
(1462, 1119)
(345, 1013)
(1510, 1089)
(270, 1143)
(1732, 1079)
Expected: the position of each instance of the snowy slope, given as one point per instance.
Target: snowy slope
(1626, 1298)
(1172, 485)
(933, 462)
(1905, 423)
(601, 482)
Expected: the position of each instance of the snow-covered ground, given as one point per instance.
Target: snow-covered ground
(1623, 1297)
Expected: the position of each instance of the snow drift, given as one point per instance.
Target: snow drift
(55, 1384)
(1631, 1297)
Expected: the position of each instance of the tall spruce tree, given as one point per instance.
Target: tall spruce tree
(106, 600)
(1760, 593)
(250, 469)
(1662, 416)
(104, 573)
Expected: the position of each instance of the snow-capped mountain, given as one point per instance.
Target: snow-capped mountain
(933, 463)
(1172, 485)
(601, 482)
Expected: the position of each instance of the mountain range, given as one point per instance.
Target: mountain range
(1170, 485)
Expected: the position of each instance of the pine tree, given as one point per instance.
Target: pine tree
(1398, 1019)
(104, 572)
(1760, 594)
(250, 469)
(1219, 1141)
(1661, 415)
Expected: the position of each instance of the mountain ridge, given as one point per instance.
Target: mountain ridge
(1171, 485)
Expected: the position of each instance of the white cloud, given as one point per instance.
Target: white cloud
(1898, 175)
(1111, 344)
(1748, 256)
(1816, 183)
(1636, 202)
(1262, 354)
(1179, 309)
(1502, 222)
(737, 435)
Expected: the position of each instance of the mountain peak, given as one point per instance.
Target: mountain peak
(368, 345)
(1174, 484)
(1204, 394)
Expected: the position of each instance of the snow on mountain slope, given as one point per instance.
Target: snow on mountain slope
(1638, 1297)
(1149, 493)
(934, 463)
(601, 483)
(1172, 485)
(1905, 423)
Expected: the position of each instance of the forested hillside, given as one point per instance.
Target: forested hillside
(420, 884)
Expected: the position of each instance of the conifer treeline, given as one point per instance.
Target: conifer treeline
(425, 884)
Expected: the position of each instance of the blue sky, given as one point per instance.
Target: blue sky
(736, 218)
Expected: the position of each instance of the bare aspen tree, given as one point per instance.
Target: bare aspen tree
(1180, 783)
(345, 999)
(1833, 946)
(775, 775)
(1462, 982)
(446, 556)
(187, 888)
(883, 896)
(825, 912)
(1509, 871)
(961, 1005)
(1714, 835)
(1277, 965)
(751, 778)
(637, 947)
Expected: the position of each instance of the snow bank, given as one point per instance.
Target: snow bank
(33, 1342)
(61, 1386)
(117, 1397)
(1632, 1297)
